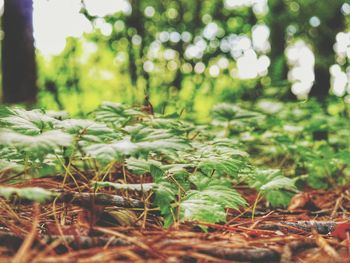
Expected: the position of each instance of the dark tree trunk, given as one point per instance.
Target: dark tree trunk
(324, 53)
(277, 22)
(179, 47)
(18, 55)
(132, 63)
(136, 55)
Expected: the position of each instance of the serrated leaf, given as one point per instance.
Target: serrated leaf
(116, 113)
(157, 173)
(27, 122)
(58, 115)
(76, 126)
(165, 194)
(88, 130)
(217, 194)
(201, 210)
(223, 195)
(172, 124)
(36, 194)
(226, 111)
(278, 198)
(120, 149)
(38, 145)
(276, 188)
(141, 166)
(220, 165)
(279, 183)
(157, 140)
(107, 152)
(164, 145)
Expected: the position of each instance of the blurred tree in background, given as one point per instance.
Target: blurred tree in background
(186, 54)
(319, 24)
(18, 58)
(278, 19)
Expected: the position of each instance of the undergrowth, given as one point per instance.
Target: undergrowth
(187, 172)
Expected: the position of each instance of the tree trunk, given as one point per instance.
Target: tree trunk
(18, 55)
(324, 53)
(277, 23)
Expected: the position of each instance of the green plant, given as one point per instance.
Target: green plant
(188, 172)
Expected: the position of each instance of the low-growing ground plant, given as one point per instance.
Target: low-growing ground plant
(183, 171)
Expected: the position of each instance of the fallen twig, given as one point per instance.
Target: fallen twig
(13, 241)
(243, 254)
(256, 254)
(322, 227)
(86, 199)
(323, 244)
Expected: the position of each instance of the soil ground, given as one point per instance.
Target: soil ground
(313, 229)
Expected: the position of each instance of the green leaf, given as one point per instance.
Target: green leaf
(116, 113)
(36, 194)
(157, 173)
(202, 210)
(278, 198)
(157, 140)
(219, 193)
(173, 124)
(27, 122)
(107, 152)
(165, 146)
(38, 145)
(120, 149)
(279, 183)
(141, 166)
(221, 156)
(87, 131)
(226, 111)
(80, 126)
(276, 188)
(58, 115)
(165, 194)
(216, 194)
(221, 165)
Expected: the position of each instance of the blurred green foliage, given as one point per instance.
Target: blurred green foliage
(184, 55)
(149, 53)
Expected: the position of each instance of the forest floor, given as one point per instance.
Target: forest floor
(81, 227)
